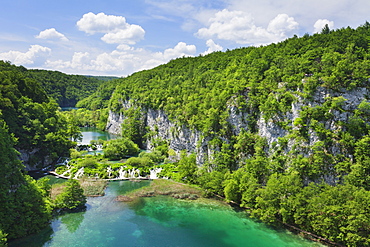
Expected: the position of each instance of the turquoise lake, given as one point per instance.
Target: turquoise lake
(91, 133)
(157, 221)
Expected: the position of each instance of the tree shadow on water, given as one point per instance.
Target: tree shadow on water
(72, 220)
(35, 240)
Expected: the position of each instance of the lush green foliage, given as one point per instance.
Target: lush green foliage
(280, 183)
(3, 239)
(196, 91)
(272, 180)
(33, 118)
(83, 117)
(23, 207)
(120, 148)
(72, 196)
(100, 98)
(65, 89)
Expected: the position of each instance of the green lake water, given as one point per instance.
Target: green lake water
(91, 133)
(157, 221)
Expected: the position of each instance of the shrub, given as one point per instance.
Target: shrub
(120, 148)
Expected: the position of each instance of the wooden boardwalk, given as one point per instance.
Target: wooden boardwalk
(58, 175)
(109, 179)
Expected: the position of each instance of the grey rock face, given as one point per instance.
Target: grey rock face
(181, 137)
(26, 157)
(114, 123)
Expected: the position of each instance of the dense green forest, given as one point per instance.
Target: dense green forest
(30, 122)
(315, 177)
(42, 132)
(67, 90)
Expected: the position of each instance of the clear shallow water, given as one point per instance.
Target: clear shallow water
(157, 221)
(90, 133)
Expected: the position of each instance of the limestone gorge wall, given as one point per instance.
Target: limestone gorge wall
(181, 137)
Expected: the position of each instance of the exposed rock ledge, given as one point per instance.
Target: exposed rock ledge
(181, 137)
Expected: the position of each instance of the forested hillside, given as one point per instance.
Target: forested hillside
(282, 130)
(35, 132)
(42, 133)
(23, 208)
(67, 90)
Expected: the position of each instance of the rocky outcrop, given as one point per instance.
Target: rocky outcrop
(114, 124)
(181, 137)
(31, 161)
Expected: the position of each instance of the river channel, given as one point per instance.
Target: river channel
(157, 221)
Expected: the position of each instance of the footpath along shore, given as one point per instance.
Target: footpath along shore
(107, 179)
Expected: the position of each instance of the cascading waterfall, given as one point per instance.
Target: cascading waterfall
(154, 173)
(109, 171)
(127, 174)
(79, 173)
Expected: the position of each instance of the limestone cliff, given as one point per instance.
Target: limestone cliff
(182, 137)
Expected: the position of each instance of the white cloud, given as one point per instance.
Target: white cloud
(33, 55)
(180, 50)
(343, 12)
(51, 33)
(123, 61)
(130, 35)
(212, 47)
(116, 29)
(101, 23)
(320, 24)
(240, 27)
(282, 24)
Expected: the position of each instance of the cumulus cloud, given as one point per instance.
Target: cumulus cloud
(320, 24)
(33, 55)
(180, 50)
(116, 29)
(240, 27)
(130, 35)
(282, 24)
(122, 61)
(212, 47)
(51, 33)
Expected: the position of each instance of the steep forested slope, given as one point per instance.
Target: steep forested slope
(32, 117)
(35, 132)
(23, 208)
(282, 130)
(65, 89)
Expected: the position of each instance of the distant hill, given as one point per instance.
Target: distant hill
(103, 78)
(67, 90)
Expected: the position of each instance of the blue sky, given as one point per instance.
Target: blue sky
(119, 37)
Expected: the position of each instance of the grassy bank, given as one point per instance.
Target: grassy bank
(165, 187)
(91, 187)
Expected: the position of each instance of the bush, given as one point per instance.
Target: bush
(139, 162)
(154, 156)
(3, 240)
(72, 197)
(120, 148)
(88, 162)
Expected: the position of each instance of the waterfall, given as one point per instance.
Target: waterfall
(127, 174)
(122, 173)
(79, 173)
(154, 172)
(63, 161)
(109, 171)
